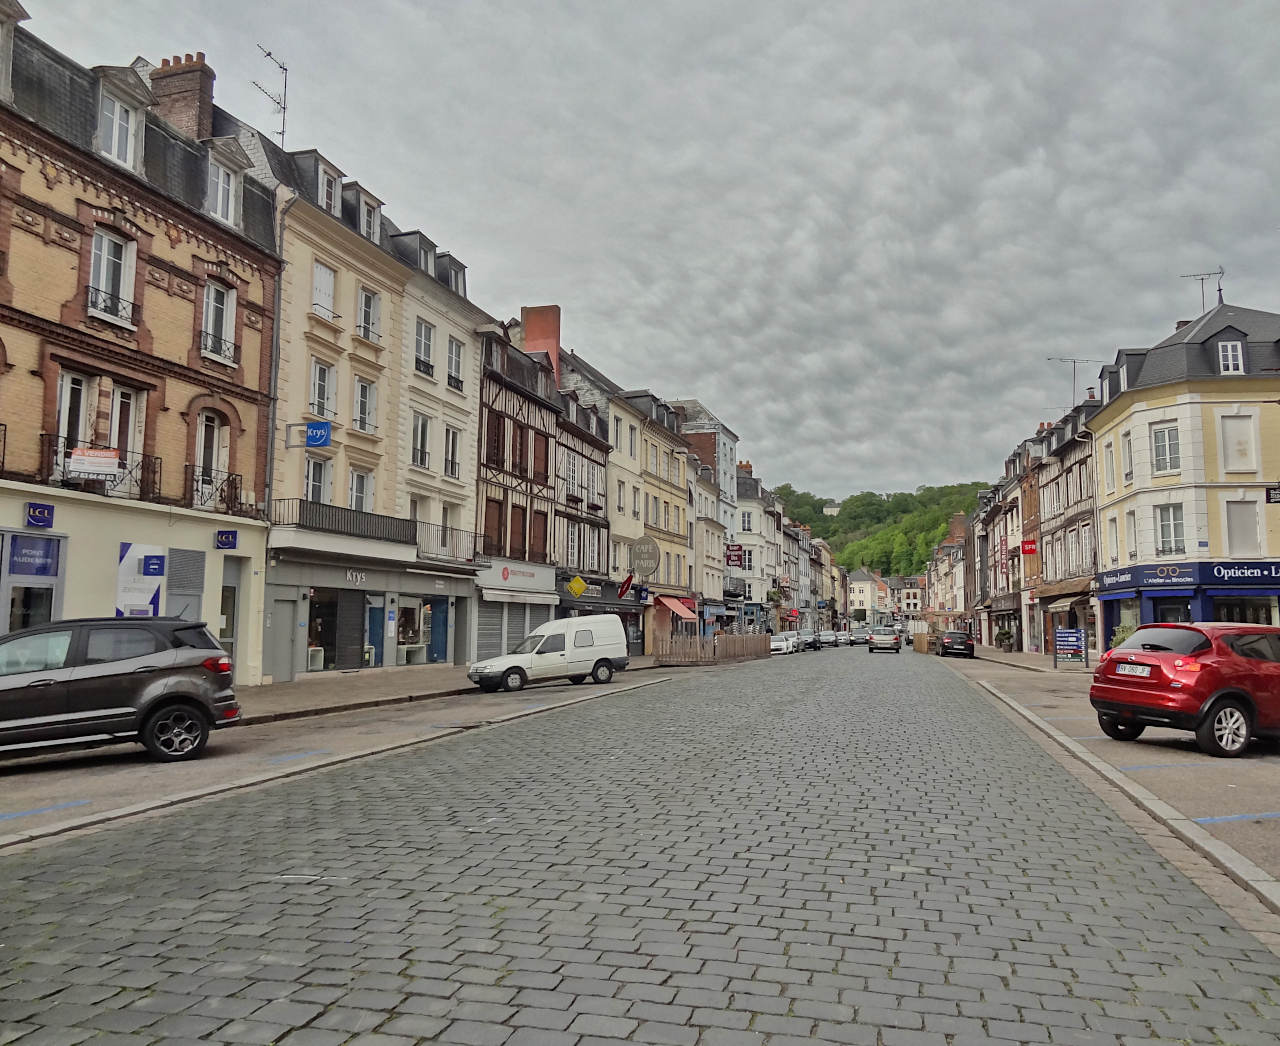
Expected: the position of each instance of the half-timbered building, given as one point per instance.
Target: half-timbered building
(582, 523)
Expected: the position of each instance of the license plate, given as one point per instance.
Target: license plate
(1133, 670)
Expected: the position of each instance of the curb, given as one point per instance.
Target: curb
(182, 798)
(256, 718)
(1247, 874)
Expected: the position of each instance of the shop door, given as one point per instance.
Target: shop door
(349, 641)
(439, 630)
(377, 632)
(282, 629)
(488, 629)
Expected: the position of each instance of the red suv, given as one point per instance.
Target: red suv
(1221, 681)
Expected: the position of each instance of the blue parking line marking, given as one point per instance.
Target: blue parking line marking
(299, 755)
(1236, 817)
(45, 809)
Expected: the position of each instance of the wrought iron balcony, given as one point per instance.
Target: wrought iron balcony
(333, 519)
(455, 382)
(105, 303)
(369, 333)
(461, 546)
(215, 491)
(452, 469)
(424, 366)
(219, 348)
(98, 468)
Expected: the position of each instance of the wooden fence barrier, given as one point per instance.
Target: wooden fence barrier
(694, 650)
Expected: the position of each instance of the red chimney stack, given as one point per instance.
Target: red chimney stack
(541, 325)
(184, 94)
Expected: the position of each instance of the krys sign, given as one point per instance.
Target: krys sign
(1221, 574)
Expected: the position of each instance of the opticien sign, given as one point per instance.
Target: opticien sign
(1181, 575)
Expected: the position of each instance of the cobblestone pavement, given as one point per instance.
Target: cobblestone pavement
(832, 847)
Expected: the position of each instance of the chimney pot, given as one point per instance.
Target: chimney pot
(184, 95)
(199, 56)
(1180, 324)
(1092, 394)
(164, 63)
(190, 57)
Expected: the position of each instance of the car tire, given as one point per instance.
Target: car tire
(176, 732)
(1120, 731)
(1226, 730)
(602, 673)
(513, 679)
(577, 680)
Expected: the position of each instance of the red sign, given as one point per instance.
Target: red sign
(692, 604)
(794, 613)
(1029, 548)
(625, 587)
(733, 556)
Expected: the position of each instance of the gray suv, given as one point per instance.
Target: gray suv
(162, 682)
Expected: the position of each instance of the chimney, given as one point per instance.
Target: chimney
(1180, 324)
(184, 94)
(1092, 395)
(745, 466)
(541, 324)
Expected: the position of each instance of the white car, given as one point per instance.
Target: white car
(779, 644)
(571, 648)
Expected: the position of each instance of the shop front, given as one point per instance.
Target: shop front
(1215, 590)
(332, 613)
(1006, 616)
(1067, 604)
(714, 618)
(515, 598)
(603, 598)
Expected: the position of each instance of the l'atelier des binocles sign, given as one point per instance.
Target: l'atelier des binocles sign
(1256, 572)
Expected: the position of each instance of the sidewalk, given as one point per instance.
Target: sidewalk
(326, 692)
(1034, 662)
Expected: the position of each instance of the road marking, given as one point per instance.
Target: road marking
(1236, 817)
(45, 809)
(1188, 765)
(300, 755)
(1091, 737)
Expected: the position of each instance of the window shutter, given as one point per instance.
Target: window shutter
(326, 472)
(323, 287)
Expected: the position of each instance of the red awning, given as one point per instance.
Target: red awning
(676, 607)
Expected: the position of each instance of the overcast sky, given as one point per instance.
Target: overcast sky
(855, 230)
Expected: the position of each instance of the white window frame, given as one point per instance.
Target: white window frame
(323, 407)
(420, 441)
(369, 315)
(1170, 517)
(1230, 357)
(423, 334)
(455, 359)
(1109, 465)
(1228, 466)
(370, 226)
(360, 500)
(128, 272)
(329, 180)
(211, 429)
(571, 543)
(110, 146)
(318, 472)
(226, 331)
(632, 438)
(1172, 450)
(622, 495)
(322, 296)
(746, 522)
(221, 192)
(364, 405)
(1126, 456)
(452, 463)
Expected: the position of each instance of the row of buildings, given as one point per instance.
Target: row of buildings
(233, 389)
(1155, 499)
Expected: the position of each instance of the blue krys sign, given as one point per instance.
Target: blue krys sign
(39, 515)
(319, 433)
(225, 539)
(1213, 573)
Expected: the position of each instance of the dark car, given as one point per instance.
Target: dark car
(162, 682)
(1221, 681)
(958, 643)
(827, 638)
(858, 635)
(809, 640)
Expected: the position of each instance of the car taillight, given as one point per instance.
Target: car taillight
(217, 665)
(1106, 656)
(1187, 664)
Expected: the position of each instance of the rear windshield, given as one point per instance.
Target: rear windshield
(884, 631)
(197, 637)
(957, 635)
(1166, 640)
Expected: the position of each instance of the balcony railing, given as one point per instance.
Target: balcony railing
(1171, 550)
(369, 333)
(452, 469)
(215, 491)
(219, 348)
(437, 542)
(424, 366)
(88, 466)
(455, 382)
(332, 519)
(105, 303)
(4, 439)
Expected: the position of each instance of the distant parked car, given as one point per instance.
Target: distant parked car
(779, 643)
(161, 682)
(809, 640)
(1221, 681)
(884, 638)
(826, 637)
(843, 639)
(958, 643)
(859, 636)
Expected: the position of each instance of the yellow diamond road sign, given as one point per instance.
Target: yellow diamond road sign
(576, 587)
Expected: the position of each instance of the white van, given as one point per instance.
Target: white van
(572, 648)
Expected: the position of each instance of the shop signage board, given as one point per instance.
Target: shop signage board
(319, 433)
(575, 587)
(1212, 573)
(1029, 547)
(1069, 646)
(225, 539)
(733, 556)
(1273, 495)
(33, 556)
(646, 557)
(39, 514)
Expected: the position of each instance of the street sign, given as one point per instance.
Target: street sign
(646, 557)
(625, 587)
(1273, 495)
(576, 586)
(1069, 646)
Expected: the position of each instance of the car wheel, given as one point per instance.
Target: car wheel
(603, 672)
(176, 732)
(577, 680)
(1119, 731)
(1226, 730)
(513, 680)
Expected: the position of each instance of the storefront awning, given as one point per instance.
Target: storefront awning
(509, 595)
(676, 607)
(1060, 606)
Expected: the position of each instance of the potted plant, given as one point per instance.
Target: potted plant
(1004, 640)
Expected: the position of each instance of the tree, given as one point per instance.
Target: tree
(902, 560)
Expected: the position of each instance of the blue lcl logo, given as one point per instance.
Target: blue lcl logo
(39, 515)
(225, 539)
(319, 433)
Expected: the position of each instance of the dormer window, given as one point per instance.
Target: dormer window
(227, 164)
(1230, 357)
(117, 129)
(330, 192)
(369, 223)
(222, 183)
(424, 259)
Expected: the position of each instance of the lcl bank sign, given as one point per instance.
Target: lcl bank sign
(1222, 573)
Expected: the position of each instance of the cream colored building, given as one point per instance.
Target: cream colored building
(709, 538)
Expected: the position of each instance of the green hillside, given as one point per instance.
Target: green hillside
(892, 533)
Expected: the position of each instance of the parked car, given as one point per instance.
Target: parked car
(570, 648)
(809, 640)
(161, 682)
(843, 639)
(794, 639)
(779, 643)
(1221, 681)
(958, 643)
(884, 638)
(859, 635)
(826, 638)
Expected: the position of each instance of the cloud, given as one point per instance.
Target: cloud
(856, 231)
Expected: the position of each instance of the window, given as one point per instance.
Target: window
(617, 433)
(518, 513)
(116, 128)
(615, 549)
(746, 522)
(217, 333)
(493, 527)
(1113, 538)
(1169, 530)
(493, 439)
(360, 491)
(1131, 533)
(421, 440)
(519, 449)
(323, 389)
(571, 542)
(111, 276)
(1086, 548)
(666, 569)
(653, 458)
(538, 538)
(622, 496)
(1164, 449)
(369, 225)
(221, 193)
(1109, 465)
(322, 283)
(212, 450)
(330, 198)
(1230, 357)
(422, 348)
(635, 502)
(1242, 529)
(748, 560)
(584, 638)
(552, 644)
(452, 467)
(666, 515)
(749, 594)
(1237, 443)
(666, 465)
(455, 364)
(571, 475)
(367, 319)
(540, 457)
(1126, 456)
(364, 413)
(119, 644)
(318, 482)
(42, 652)
(633, 442)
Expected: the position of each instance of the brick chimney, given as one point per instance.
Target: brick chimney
(184, 94)
(745, 466)
(541, 324)
(1180, 324)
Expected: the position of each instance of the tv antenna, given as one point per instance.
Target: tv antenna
(1202, 277)
(1075, 362)
(281, 100)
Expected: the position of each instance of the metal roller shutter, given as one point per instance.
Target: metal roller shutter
(517, 625)
(349, 641)
(489, 630)
(539, 614)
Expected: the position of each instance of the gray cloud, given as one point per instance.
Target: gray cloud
(856, 230)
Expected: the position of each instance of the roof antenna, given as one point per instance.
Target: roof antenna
(281, 100)
(1202, 276)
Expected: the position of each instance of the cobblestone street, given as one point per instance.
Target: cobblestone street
(831, 847)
